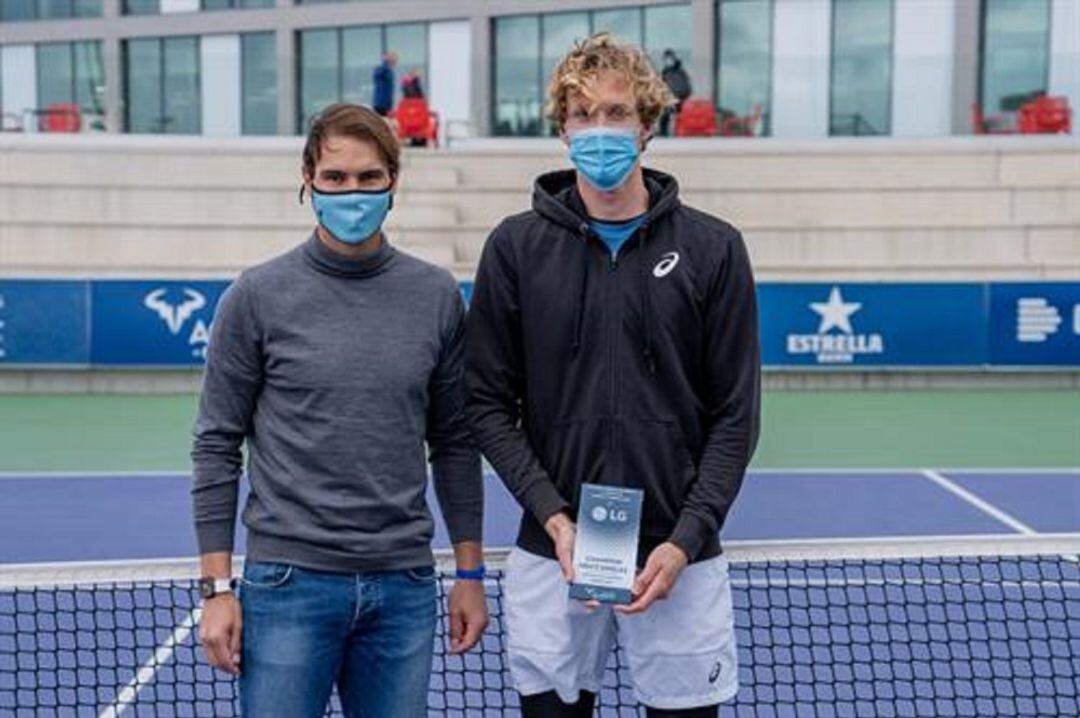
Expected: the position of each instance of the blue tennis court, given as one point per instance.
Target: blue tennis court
(95, 517)
(893, 629)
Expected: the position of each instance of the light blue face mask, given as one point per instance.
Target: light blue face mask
(352, 217)
(604, 155)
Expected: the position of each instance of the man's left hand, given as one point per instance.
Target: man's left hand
(468, 614)
(656, 580)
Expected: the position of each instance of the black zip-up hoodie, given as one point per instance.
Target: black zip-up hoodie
(641, 372)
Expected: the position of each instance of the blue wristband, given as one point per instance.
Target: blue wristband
(473, 574)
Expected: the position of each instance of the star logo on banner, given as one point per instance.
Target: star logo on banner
(835, 312)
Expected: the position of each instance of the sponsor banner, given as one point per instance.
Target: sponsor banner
(44, 322)
(148, 323)
(1035, 324)
(167, 323)
(872, 324)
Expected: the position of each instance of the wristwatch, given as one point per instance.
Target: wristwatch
(210, 587)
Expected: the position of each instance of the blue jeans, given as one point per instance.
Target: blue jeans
(371, 634)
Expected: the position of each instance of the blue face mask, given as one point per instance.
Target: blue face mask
(604, 155)
(352, 217)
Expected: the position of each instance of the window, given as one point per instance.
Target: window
(258, 69)
(163, 85)
(559, 33)
(517, 107)
(142, 7)
(668, 27)
(744, 60)
(12, 10)
(860, 91)
(227, 4)
(71, 73)
(1014, 53)
(338, 64)
(527, 48)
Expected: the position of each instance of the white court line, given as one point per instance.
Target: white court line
(147, 670)
(981, 504)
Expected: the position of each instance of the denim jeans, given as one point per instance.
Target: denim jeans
(371, 634)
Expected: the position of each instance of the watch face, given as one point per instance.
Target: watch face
(206, 587)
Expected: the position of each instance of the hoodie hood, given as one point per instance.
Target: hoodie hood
(556, 199)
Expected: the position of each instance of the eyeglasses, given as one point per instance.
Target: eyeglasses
(617, 115)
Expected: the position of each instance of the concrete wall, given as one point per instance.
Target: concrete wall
(958, 208)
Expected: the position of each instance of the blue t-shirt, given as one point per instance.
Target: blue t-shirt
(615, 234)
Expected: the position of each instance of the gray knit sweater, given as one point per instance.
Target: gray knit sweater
(336, 372)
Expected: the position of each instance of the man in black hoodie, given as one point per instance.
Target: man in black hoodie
(613, 339)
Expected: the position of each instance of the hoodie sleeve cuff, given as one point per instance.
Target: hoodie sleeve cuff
(543, 501)
(691, 534)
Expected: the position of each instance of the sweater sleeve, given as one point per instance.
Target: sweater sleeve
(732, 399)
(232, 381)
(494, 367)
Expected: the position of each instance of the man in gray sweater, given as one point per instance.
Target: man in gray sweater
(336, 362)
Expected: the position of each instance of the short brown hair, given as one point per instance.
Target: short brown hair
(345, 119)
(601, 53)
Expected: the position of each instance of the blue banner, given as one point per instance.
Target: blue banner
(44, 322)
(840, 325)
(148, 323)
(850, 324)
(1035, 324)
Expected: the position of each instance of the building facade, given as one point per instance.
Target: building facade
(800, 68)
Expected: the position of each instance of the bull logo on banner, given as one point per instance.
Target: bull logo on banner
(175, 316)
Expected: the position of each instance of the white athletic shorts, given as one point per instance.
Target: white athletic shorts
(680, 652)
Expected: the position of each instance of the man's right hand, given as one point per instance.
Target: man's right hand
(562, 531)
(220, 631)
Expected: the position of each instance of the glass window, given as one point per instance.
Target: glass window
(258, 65)
(624, 23)
(861, 83)
(183, 114)
(1015, 51)
(516, 55)
(559, 33)
(361, 53)
(55, 75)
(87, 8)
(338, 64)
(17, 9)
(144, 113)
(669, 27)
(744, 57)
(225, 4)
(142, 7)
(50, 9)
(163, 85)
(71, 73)
(320, 83)
(409, 41)
(90, 79)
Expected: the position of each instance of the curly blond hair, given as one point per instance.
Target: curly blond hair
(600, 53)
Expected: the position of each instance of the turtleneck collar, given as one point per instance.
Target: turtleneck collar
(327, 261)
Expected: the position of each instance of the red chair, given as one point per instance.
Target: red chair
(742, 126)
(414, 120)
(61, 117)
(697, 118)
(1045, 115)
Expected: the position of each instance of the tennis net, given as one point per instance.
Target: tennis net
(942, 627)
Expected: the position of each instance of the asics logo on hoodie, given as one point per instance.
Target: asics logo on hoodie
(666, 264)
